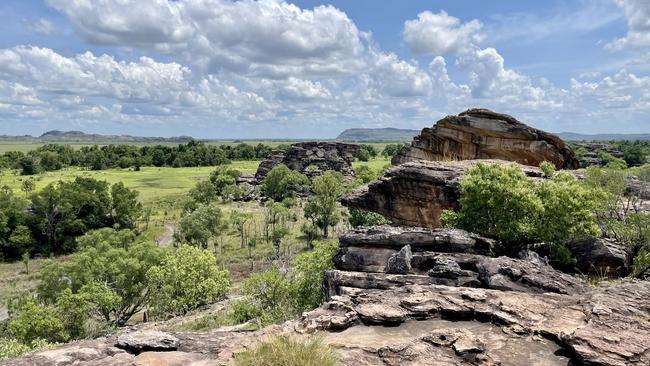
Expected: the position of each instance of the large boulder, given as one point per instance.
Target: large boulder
(483, 134)
(601, 256)
(416, 193)
(312, 158)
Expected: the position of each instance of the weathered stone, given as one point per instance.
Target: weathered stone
(173, 358)
(445, 267)
(592, 153)
(483, 134)
(600, 256)
(601, 326)
(400, 262)
(312, 158)
(416, 193)
(149, 340)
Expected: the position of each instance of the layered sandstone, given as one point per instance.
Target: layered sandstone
(312, 158)
(416, 193)
(483, 134)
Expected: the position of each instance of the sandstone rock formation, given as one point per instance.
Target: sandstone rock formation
(416, 193)
(312, 158)
(549, 317)
(601, 256)
(483, 134)
(591, 153)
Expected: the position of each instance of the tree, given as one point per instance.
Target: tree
(391, 149)
(28, 165)
(125, 207)
(308, 271)
(109, 272)
(321, 208)
(201, 226)
(28, 186)
(186, 279)
(282, 182)
(240, 221)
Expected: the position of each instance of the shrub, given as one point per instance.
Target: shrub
(286, 351)
(502, 203)
(186, 279)
(359, 218)
(307, 274)
(11, 348)
(34, 322)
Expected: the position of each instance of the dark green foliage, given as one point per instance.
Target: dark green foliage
(281, 183)
(54, 157)
(391, 149)
(359, 218)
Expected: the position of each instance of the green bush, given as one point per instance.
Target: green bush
(34, 321)
(12, 348)
(186, 279)
(274, 296)
(286, 351)
(360, 218)
(502, 203)
(282, 182)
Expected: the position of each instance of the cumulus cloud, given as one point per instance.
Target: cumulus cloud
(265, 37)
(440, 34)
(637, 13)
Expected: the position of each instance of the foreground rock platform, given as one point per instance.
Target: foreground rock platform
(602, 326)
(483, 134)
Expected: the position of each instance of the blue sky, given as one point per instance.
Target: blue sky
(309, 69)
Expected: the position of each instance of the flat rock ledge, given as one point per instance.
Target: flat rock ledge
(602, 326)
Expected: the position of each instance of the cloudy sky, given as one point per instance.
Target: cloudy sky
(309, 69)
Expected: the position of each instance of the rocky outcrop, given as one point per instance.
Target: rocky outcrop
(138, 342)
(312, 158)
(483, 134)
(601, 256)
(602, 326)
(416, 193)
(376, 258)
(590, 154)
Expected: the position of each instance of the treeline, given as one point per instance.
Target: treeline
(195, 153)
(49, 221)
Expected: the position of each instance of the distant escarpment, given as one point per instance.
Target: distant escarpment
(483, 134)
(377, 134)
(312, 158)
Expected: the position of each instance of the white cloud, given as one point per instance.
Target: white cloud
(440, 34)
(637, 13)
(43, 27)
(268, 38)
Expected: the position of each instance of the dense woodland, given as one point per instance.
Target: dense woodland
(52, 157)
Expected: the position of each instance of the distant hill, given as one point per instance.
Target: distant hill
(378, 134)
(570, 136)
(78, 136)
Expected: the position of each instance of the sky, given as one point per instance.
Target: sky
(310, 69)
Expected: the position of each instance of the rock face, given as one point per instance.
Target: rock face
(591, 153)
(312, 158)
(600, 256)
(416, 193)
(372, 258)
(483, 134)
(138, 342)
